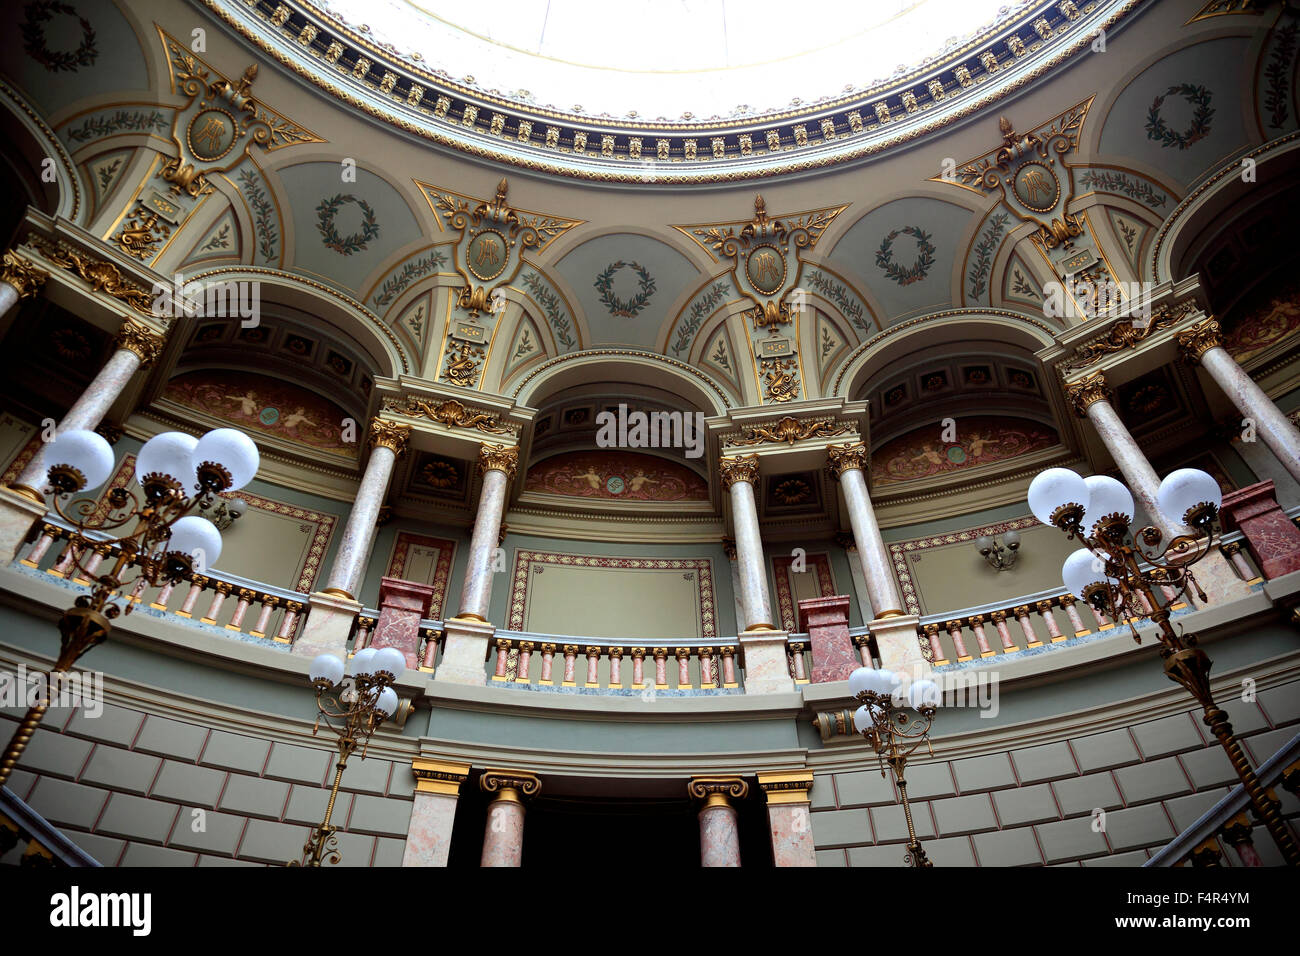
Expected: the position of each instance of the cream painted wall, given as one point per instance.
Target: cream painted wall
(628, 604)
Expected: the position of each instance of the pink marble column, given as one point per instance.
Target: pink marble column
(1026, 626)
(936, 646)
(739, 474)
(615, 667)
(49, 534)
(789, 816)
(548, 661)
(1233, 553)
(826, 620)
(401, 606)
(525, 655)
(977, 625)
(661, 667)
(269, 604)
(196, 588)
(364, 627)
(503, 837)
(1273, 539)
(1072, 612)
(503, 659)
(433, 810)
(848, 463)
(1004, 632)
(706, 668)
(954, 629)
(389, 440)
(219, 598)
(570, 666)
(638, 667)
(728, 653)
(719, 834)
(159, 603)
(498, 467)
(593, 666)
(798, 670)
(1049, 619)
(241, 608)
(683, 655)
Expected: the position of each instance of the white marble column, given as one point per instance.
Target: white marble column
(849, 462)
(433, 813)
(466, 636)
(1201, 343)
(739, 475)
(388, 440)
(1091, 399)
(719, 833)
(503, 837)
(137, 347)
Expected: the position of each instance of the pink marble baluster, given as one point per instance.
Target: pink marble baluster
(548, 661)
(269, 604)
(1146, 605)
(241, 608)
(728, 666)
(140, 583)
(570, 655)
(615, 667)
(291, 609)
(97, 555)
(1103, 622)
(159, 603)
(1233, 551)
(706, 668)
(977, 625)
(954, 629)
(363, 634)
(1004, 632)
(196, 587)
(49, 534)
(61, 567)
(214, 608)
(683, 655)
(1072, 612)
(661, 666)
(800, 666)
(593, 666)
(638, 667)
(525, 655)
(1049, 619)
(1026, 626)
(936, 646)
(503, 659)
(430, 649)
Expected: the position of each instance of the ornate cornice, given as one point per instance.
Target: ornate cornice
(1127, 334)
(791, 430)
(100, 275)
(143, 341)
(510, 785)
(22, 274)
(390, 435)
(840, 458)
(1195, 341)
(1087, 391)
(498, 458)
(449, 412)
(734, 468)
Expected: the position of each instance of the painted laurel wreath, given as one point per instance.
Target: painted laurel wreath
(354, 242)
(1157, 129)
(40, 13)
(924, 256)
(605, 286)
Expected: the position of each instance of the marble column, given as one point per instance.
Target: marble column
(899, 644)
(503, 837)
(19, 279)
(1091, 398)
(1202, 344)
(402, 604)
(466, 635)
(763, 645)
(789, 816)
(433, 811)
(332, 610)
(719, 834)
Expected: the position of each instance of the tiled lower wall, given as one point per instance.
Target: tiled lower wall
(1036, 805)
(128, 788)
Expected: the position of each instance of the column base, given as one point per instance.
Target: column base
(898, 640)
(464, 651)
(329, 621)
(18, 513)
(767, 670)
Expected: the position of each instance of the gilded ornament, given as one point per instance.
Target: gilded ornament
(450, 412)
(1087, 391)
(717, 789)
(142, 340)
(840, 458)
(390, 435)
(498, 458)
(1126, 334)
(791, 430)
(22, 274)
(781, 383)
(141, 233)
(1194, 342)
(510, 784)
(734, 468)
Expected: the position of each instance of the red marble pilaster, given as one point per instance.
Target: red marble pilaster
(401, 606)
(1273, 539)
(826, 620)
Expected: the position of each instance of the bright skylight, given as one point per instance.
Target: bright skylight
(663, 59)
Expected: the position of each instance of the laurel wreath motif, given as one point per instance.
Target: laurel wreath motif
(40, 13)
(355, 242)
(605, 286)
(924, 257)
(1157, 129)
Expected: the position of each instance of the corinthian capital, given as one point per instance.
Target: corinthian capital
(841, 458)
(20, 273)
(734, 468)
(498, 458)
(143, 341)
(1089, 389)
(1195, 341)
(386, 434)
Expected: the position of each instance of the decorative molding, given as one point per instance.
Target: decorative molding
(142, 340)
(26, 278)
(791, 430)
(1195, 341)
(841, 458)
(1127, 334)
(448, 412)
(100, 275)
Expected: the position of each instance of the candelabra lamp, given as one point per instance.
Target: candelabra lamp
(894, 734)
(1125, 575)
(1000, 555)
(353, 706)
(165, 543)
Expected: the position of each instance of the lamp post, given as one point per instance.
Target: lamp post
(1107, 573)
(893, 734)
(177, 474)
(360, 701)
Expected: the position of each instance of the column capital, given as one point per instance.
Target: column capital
(734, 468)
(714, 791)
(390, 435)
(439, 776)
(22, 274)
(143, 341)
(842, 458)
(1087, 391)
(510, 785)
(498, 458)
(786, 786)
(1196, 340)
